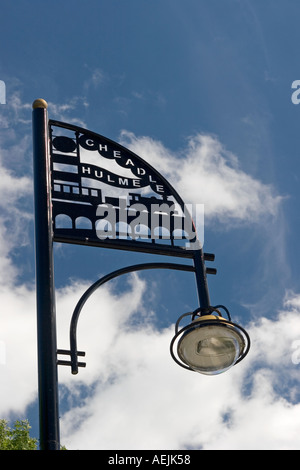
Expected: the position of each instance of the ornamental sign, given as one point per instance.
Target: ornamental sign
(105, 195)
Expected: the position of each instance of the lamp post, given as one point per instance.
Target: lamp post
(210, 344)
(45, 296)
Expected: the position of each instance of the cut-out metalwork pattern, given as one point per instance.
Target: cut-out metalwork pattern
(105, 195)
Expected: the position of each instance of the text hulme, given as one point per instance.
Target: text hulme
(91, 171)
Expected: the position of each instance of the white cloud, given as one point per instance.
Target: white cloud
(145, 401)
(132, 395)
(206, 173)
(17, 112)
(64, 111)
(97, 77)
(14, 219)
(18, 338)
(17, 315)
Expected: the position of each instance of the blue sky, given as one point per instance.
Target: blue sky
(202, 91)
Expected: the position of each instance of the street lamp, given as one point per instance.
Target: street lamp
(210, 344)
(82, 176)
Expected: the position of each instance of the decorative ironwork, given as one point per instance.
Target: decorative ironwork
(90, 190)
(97, 182)
(105, 195)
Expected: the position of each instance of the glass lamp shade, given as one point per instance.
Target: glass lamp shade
(211, 345)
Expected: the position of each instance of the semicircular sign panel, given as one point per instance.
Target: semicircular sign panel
(105, 195)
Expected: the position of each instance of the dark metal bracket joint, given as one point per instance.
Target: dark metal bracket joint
(73, 363)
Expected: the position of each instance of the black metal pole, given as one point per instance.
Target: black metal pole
(46, 316)
(201, 280)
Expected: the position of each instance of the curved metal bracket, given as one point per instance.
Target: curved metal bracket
(74, 320)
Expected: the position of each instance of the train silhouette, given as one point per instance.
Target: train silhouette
(76, 208)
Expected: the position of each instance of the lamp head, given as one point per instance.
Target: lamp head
(210, 344)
